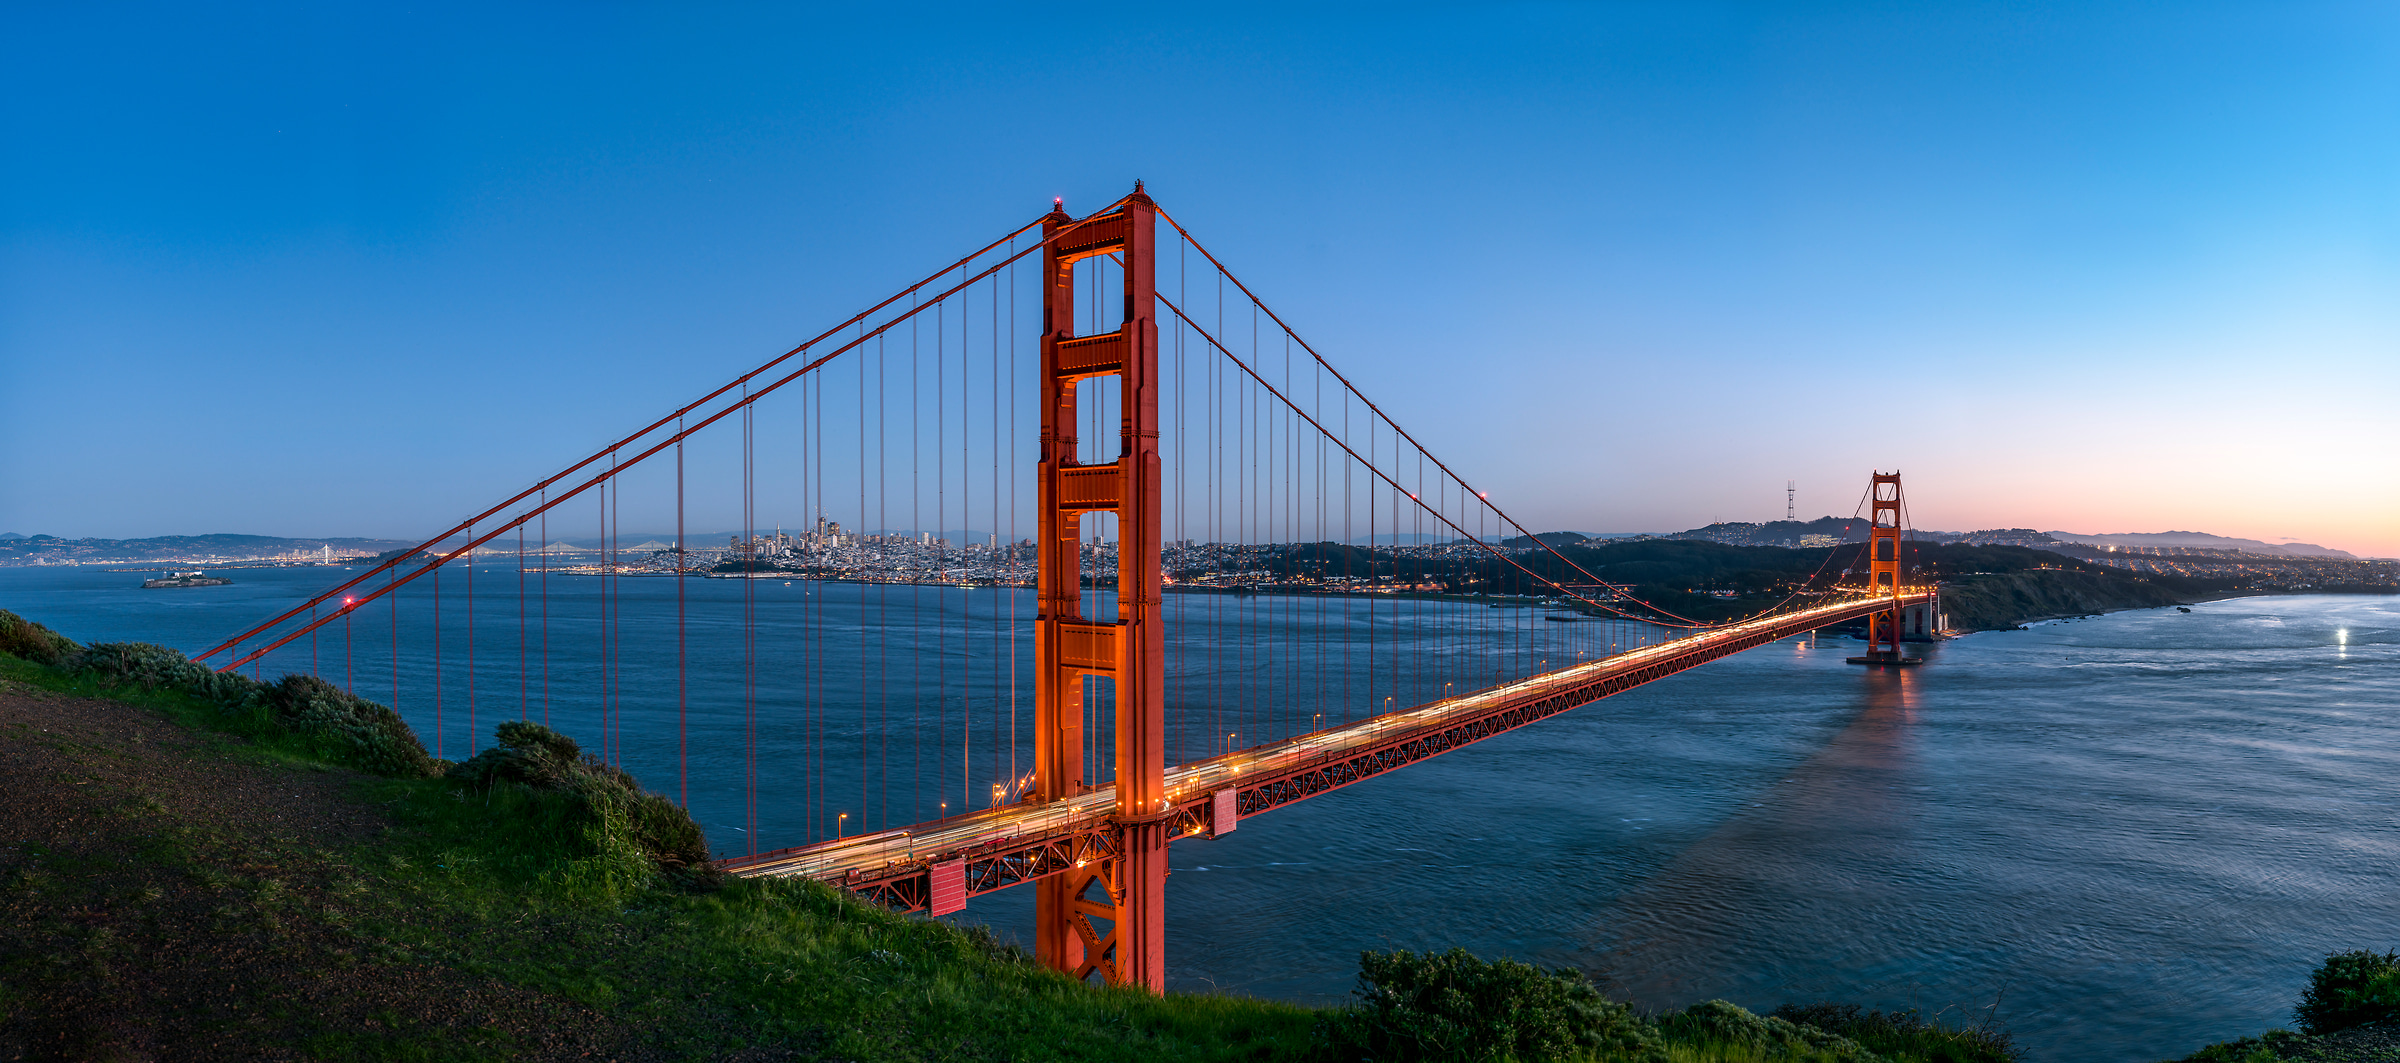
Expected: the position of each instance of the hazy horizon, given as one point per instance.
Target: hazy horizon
(693, 537)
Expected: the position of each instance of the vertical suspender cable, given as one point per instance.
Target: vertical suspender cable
(916, 523)
(602, 603)
(1014, 593)
(749, 626)
(545, 581)
(613, 582)
(683, 781)
(394, 595)
(470, 562)
(883, 524)
(1216, 521)
(941, 499)
(603, 614)
(941, 520)
(1180, 725)
(437, 661)
(1009, 581)
(522, 660)
(991, 557)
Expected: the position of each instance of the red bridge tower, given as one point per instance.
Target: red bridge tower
(1129, 650)
(1883, 572)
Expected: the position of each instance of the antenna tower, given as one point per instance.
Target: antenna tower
(1791, 493)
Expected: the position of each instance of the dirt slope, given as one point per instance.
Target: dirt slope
(163, 896)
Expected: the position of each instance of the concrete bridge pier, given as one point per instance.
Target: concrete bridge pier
(1922, 622)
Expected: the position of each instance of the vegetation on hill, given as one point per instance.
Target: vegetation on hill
(1999, 601)
(524, 907)
(1438, 1007)
(1556, 538)
(2350, 989)
(1984, 587)
(2350, 1011)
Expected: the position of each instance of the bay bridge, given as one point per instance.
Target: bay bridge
(940, 711)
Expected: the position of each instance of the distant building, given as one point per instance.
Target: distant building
(2007, 537)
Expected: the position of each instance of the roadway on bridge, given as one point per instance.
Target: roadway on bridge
(883, 856)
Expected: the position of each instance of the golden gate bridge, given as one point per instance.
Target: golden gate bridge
(1185, 486)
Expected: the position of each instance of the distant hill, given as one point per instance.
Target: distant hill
(1853, 529)
(52, 550)
(1556, 538)
(2202, 540)
(1777, 532)
(1407, 539)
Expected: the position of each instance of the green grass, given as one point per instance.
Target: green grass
(756, 961)
(505, 882)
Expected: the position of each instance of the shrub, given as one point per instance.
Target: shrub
(2350, 989)
(628, 827)
(527, 754)
(362, 733)
(1903, 1033)
(24, 638)
(1721, 1023)
(342, 726)
(608, 801)
(2274, 1046)
(155, 667)
(1453, 1006)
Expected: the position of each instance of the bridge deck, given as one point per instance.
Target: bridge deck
(1006, 846)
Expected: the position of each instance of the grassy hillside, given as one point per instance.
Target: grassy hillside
(186, 880)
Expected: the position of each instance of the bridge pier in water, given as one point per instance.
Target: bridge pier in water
(1921, 622)
(1890, 627)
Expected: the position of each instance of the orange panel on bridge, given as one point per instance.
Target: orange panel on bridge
(949, 892)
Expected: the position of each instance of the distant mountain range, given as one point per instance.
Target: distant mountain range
(18, 549)
(2202, 540)
(1853, 529)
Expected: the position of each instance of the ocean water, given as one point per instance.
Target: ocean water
(2123, 837)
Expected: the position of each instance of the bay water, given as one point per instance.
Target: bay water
(2120, 837)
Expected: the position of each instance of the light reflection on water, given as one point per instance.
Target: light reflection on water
(2131, 835)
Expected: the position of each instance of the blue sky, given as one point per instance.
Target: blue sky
(322, 270)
